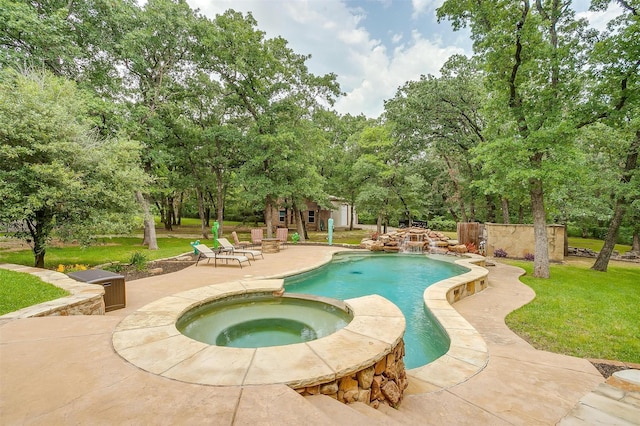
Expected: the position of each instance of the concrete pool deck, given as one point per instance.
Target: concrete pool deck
(64, 370)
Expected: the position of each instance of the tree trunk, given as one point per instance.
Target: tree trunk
(635, 247)
(491, 209)
(220, 200)
(297, 214)
(463, 211)
(168, 213)
(602, 262)
(352, 215)
(304, 227)
(38, 236)
(472, 211)
(204, 225)
(541, 262)
(179, 210)
(149, 239)
(566, 240)
(612, 234)
(505, 210)
(268, 216)
(520, 213)
(379, 224)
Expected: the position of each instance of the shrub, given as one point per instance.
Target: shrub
(138, 260)
(529, 256)
(471, 248)
(499, 253)
(441, 224)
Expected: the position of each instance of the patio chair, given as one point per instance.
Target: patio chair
(229, 248)
(206, 252)
(256, 237)
(237, 243)
(282, 234)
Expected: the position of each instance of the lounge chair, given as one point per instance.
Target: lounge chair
(256, 237)
(204, 251)
(282, 234)
(237, 243)
(229, 248)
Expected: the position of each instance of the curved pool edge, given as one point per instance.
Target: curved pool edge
(468, 353)
(149, 339)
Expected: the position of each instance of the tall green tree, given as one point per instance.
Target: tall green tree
(439, 120)
(613, 95)
(269, 83)
(56, 174)
(341, 155)
(156, 56)
(533, 52)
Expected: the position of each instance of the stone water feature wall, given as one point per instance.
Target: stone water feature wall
(413, 240)
(518, 240)
(381, 383)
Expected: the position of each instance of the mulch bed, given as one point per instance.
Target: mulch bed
(159, 267)
(607, 367)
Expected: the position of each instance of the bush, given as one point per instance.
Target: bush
(441, 224)
(499, 253)
(529, 256)
(625, 233)
(138, 260)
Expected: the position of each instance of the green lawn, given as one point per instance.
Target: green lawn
(106, 250)
(595, 245)
(581, 312)
(19, 290)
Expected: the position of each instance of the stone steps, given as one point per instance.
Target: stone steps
(358, 413)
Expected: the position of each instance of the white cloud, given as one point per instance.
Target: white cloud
(383, 72)
(599, 20)
(422, 7)
(332, 32)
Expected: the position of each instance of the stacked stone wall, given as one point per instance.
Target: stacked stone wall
(383, 382)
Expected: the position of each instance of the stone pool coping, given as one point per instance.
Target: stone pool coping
(146, 338)
(468, 354)
(149, 339)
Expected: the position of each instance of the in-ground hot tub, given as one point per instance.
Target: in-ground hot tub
(260, 319)
(349, 364)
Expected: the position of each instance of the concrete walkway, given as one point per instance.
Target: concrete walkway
(63, 370)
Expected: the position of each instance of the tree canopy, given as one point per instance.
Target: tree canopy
(55, 171)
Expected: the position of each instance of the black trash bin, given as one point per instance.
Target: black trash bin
(114, 287)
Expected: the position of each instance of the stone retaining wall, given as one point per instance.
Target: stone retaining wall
(84, 299)
(381, 383)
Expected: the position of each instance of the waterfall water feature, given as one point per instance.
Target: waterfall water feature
(412, 243)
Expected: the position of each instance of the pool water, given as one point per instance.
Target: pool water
(400, 278)
(259, 320)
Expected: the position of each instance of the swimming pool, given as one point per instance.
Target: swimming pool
(400, 278)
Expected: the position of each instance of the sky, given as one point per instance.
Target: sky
(373, 46)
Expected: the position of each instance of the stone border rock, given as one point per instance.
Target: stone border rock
(85, 299)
